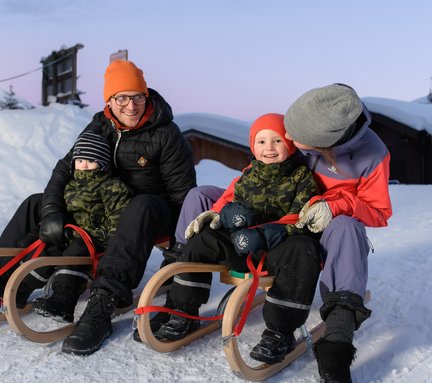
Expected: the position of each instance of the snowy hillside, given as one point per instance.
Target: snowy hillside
(394, 345)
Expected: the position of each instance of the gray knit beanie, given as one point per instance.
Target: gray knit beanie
(321, 116)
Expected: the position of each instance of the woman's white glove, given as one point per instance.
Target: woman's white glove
(316, 217)
(204, 218)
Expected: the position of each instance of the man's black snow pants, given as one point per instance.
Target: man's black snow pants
(121, 269)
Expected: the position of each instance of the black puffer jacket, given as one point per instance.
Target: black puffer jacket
(153, 159)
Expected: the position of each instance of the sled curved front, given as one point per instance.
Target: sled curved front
(232, 311)
(13, 314)
(11, 252)
(262, 371)
(149, 293)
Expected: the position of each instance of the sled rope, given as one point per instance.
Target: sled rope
(38, 246)
(256, 273)
(90, 245)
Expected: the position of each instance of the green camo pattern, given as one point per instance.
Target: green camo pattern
(96, 201)
(275, 190)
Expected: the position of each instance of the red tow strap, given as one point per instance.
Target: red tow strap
(90, 246)
(38, 246)
(256, 273)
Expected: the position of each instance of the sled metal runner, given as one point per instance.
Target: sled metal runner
(232, 311)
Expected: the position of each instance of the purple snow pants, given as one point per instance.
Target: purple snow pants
(344, 244)
(198, 200)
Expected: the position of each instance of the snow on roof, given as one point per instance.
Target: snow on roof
(416, 114)
(230, 129)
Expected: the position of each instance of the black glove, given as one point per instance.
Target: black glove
(259, 239)
(235, 216)
(51, 229)
(274, 234)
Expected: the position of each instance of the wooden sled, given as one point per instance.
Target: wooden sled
(14, 315)
(262, 371)
(152, 286)
(232, 311)
(149, 293)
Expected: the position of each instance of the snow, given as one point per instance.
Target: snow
(394, 345)
(234, 130)
(416, 114)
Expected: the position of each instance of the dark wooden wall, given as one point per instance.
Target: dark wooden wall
(208, 147)
(410, 150)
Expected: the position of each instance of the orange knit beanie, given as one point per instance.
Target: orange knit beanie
(123, 75)
(272, 121)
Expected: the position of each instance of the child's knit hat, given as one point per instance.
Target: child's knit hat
(272, 121)
(92, 146)
(123, 75)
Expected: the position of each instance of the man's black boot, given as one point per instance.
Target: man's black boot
(94, 325)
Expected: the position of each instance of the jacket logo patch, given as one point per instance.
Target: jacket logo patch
(333, 169)
(142, 161)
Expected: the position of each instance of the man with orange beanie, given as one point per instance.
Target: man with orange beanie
(149, 154)
(257, 214)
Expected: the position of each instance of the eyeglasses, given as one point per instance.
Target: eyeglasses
(124, 100)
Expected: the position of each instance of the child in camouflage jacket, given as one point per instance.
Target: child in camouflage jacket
(94, 200)
(256, 214)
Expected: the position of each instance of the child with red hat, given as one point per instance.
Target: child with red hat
(256, 215)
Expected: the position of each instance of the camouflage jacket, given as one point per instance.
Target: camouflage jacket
(96, 200)
(275, 190)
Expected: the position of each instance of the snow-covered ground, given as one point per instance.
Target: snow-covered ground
(394, 345)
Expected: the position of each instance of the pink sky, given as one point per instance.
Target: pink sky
(238, 58)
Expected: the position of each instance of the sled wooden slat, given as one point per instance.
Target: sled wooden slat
(148, 294)
(9, 251)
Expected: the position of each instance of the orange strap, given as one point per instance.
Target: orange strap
(256, 273)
